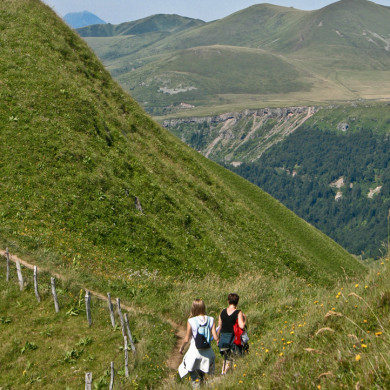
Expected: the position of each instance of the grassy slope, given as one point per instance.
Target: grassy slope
(214, 71)
(46, 350)
(88, 149)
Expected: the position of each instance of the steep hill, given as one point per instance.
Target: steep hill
(76, 151)
(340, 52)
(81, 19)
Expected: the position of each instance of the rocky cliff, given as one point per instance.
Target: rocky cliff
(238, 137)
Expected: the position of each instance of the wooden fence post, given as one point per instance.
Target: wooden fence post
(20, 276)
(88, 307)
(36, 283)
(129, 333)
(118, 303)
(7, 256)
(126, 357)
(112, 316)
(112, 376)
(54, 292)
(88, 381)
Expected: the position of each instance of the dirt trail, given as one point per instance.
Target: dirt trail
(174, 358)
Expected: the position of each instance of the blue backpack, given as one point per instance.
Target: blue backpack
(203, 336)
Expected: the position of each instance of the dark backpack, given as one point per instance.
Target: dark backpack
(203, 337)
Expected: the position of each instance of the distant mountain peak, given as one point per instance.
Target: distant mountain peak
(82, 19)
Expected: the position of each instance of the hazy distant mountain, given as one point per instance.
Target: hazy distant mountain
(151, 24)
(82, 19)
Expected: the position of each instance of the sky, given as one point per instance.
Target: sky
(118, 11)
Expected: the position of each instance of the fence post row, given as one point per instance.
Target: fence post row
(7, 256)
(54, 292)
(112, 316)
(129, 333)
(36, 283)
(126, 357)
(88, 381)
(20, 276)
(123, 318)
(118, 303)
(112, 376)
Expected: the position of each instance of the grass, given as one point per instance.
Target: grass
(48, 350)
(311, 336)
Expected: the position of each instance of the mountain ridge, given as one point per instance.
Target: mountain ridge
(338, 53)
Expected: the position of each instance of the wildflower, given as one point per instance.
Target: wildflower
(365, 321)
(315, 302)
(281, 354)
(364, 346)
(319, 387)
(357, 357)
(365, 286)
(356, 285)
(240, 382)
(267, 350)
(378, 334)
(292, 332)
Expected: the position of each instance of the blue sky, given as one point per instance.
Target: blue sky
(118, 11)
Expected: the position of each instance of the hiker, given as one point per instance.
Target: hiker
(200, 357)
(226, 322)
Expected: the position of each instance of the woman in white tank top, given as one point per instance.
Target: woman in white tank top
(198, 362)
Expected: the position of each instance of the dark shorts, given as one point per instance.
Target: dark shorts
(225, 341)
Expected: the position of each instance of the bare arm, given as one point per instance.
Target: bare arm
(187, 337)
(241, 320)
(219, 325)
(214, 333)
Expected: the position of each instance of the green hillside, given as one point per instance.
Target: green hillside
(212, 71)
(150, 24)
(88, 150)
(340, 52)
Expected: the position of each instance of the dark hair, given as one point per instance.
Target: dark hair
(233, 299)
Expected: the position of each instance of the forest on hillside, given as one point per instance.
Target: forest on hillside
(299, 173)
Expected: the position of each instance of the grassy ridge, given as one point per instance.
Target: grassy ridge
(329, 50)
(150, 24)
